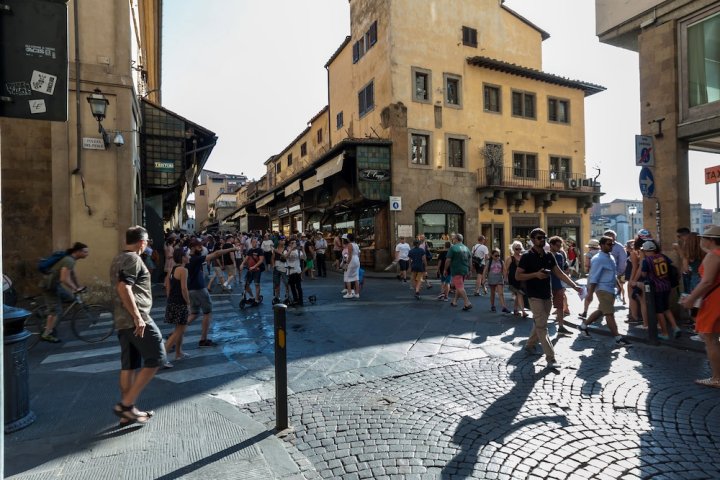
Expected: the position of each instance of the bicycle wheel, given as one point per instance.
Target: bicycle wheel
(35, 324)
(92, 323)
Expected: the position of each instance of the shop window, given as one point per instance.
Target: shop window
(453, 90)
(422, 84)
(558, 110)
(491, 98)
(419, 147)
(559, 168)
(339, 121)
(525, 165)
(469, 37)
(523, 104)
(456, 152)
(303, 149)
(438, 219)
(366, 99)
(703, 61)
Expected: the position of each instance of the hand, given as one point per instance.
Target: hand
(139, 327)
(578, 288)
(541, 275)
(686, 302)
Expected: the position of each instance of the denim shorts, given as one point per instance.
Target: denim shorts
(252, 277)
(147, 351)
(200, 300)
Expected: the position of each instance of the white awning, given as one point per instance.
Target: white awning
(265, 200)
(330, 168)
(240, 213)
(311, 183)
(292, 188)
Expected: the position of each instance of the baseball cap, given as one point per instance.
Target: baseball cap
(648, 246)
(344, 236)
(643, 233)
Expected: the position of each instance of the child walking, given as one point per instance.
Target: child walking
(494, 276)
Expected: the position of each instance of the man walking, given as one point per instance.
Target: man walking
(602, 281)
(480, 255)
(534, 269)
(418, 265)
(139, 336)
(620, 256)
(320, 247)
(401, 256)
(458, 265)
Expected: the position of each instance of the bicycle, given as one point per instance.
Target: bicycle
(89, 323)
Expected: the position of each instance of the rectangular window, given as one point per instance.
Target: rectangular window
(319, 136)
(469, 37)
(491, 96)
(421, 85)
(371, 35)
(339, 120)
(419, 149)
(303, 149)
(703, 61)
(278, 167)
(559, 168)
(525, 165)
(456, 153)
(453, 90)
(365, 43)
(366, 99)
(523, 104)
(558, 110)
(289, 159)
(202, 193)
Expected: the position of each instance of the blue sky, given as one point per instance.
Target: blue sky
(252, 71)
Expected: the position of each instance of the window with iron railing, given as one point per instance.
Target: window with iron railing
(525, 165)
(560, 168)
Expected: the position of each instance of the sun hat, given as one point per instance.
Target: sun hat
(712, 231)
(593, 244)
(648, 246)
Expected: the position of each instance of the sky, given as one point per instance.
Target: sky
(253, 72)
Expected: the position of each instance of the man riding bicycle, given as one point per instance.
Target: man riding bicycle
(60, 286)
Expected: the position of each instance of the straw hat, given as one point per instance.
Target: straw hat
(711, 232)
(593, 244)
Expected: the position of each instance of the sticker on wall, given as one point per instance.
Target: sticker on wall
(18, 89)
(37, 106)
(38, 51)
(43, 82)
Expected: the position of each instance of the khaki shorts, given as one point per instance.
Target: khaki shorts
(418, 276)
(607, 302)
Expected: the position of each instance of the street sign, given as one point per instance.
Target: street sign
(90, 143)
(647, 183)
(712, 175)
(644, 155)
(395, 204)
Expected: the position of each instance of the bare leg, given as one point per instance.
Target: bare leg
(501, 294)
(132, 383)
(205, 326)
(712, 346)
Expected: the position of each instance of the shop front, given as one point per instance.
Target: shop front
(438, 219)
(564, 226)
(521, 226)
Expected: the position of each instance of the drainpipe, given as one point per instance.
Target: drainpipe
(78, 161)
(329, 111)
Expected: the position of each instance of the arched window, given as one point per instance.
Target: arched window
(439, 218)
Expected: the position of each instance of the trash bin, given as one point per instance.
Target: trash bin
(16, 389)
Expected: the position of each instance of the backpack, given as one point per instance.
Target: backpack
(45, 264)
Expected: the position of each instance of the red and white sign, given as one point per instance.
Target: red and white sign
(712, 175)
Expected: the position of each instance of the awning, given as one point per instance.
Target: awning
(265, 200)
(330, 168)
(240, 213)
(311, 183)
(292, 188)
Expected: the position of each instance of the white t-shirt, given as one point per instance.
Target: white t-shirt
(480, 251)
(404, 249)
(267, 245)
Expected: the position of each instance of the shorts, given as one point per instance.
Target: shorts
(445, 279)
(558, 298)
(418, 276)
(404, 265)
(253, 277)
(230, 270)
(607, 302)
(176, 314)
(279, 277)
(310, 264)
(149, 348)
(478, 266)
(458, 281)
(662, 302)
(200, 300)
(54, 300)
(515, 290)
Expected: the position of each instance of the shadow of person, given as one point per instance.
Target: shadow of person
(496, 423)
(595, 366)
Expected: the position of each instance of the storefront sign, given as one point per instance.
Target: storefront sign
(405, 231)
(526, 221)
(373, 167)
(294, 208)
(165, 166)
(563, 221)
(89, 143)
(282, 211)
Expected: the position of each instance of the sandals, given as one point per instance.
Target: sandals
(130, 415)
(466, 308)
(708, 382)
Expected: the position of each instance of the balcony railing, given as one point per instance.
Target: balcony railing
(513, 177)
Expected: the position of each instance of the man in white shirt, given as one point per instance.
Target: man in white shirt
(401, 256)
(480, 254)
(320, 247)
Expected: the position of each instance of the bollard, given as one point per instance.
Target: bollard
(281, 407)
(652, 316)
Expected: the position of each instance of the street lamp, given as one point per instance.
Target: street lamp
(98, 105)
(632, 210)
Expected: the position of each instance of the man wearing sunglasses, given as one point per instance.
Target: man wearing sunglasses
(534, 269)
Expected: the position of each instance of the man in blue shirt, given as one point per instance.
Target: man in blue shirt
(418, 262)
(620, 255)
(602, 281)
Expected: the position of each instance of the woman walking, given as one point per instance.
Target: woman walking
(178, 301)
(494, 277)
(352, 271)
(295, 257)
(511, 265)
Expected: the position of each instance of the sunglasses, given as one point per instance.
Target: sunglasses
(517, 249)
(540, 237)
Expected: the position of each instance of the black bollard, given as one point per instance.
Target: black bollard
(652, 316)
(281, 406)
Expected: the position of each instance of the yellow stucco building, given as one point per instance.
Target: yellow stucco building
(445, 105)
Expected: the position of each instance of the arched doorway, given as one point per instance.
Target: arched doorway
(437, 219)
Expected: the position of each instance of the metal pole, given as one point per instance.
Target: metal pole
(652, 316)
(281, 406)
(717, 197)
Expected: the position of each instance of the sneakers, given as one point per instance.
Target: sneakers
(663, 337)
(417, 296)
(505, 310)
(441, 296)
(207, 343)
(344, 291)
(677, 332)
(49, 338)
(621, 341)
(476, 293)
(563, 331)
(493, 309)
(349, 295)
(584, 330)
(697, 338)
(582, 315)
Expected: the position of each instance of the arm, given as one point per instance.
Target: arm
(124, 291)
(521, 276)
(183, 285)
(166, 284)
(217, 253)
(563, 277)
(66, 278)
(711, 264)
